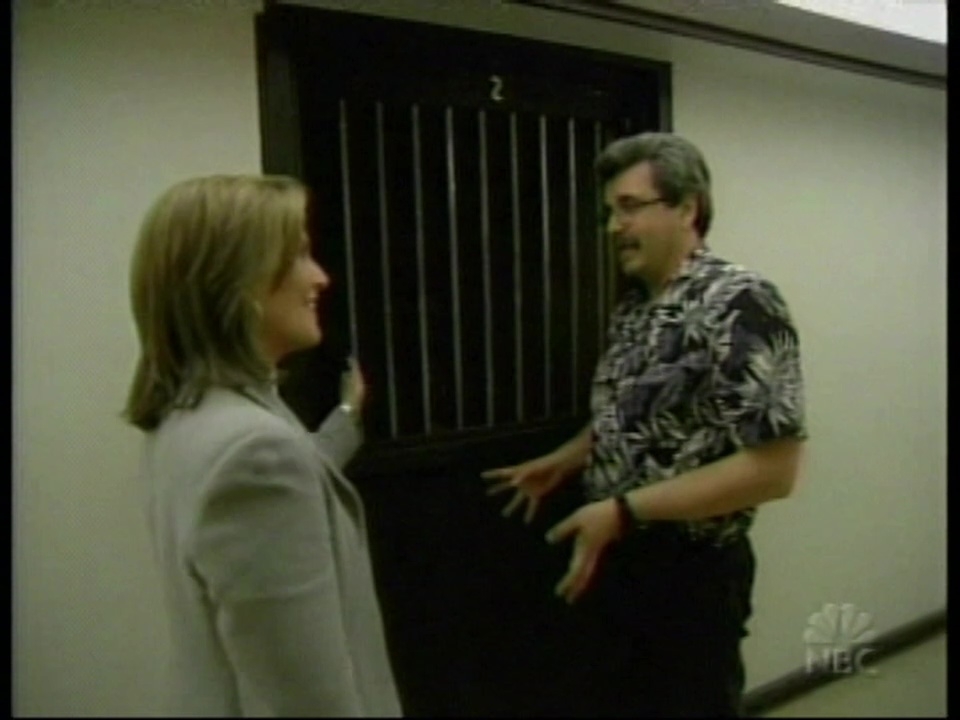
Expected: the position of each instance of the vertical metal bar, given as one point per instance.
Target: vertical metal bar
(601, 253)
(574, 295)
(545, 215)
(421, 274)
(485, 248)
(517, 265)
(454, 264)
(348, 228)
(385, 271)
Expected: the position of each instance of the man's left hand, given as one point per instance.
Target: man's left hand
(593, 526)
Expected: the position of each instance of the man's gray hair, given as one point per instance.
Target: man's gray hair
(679, 169)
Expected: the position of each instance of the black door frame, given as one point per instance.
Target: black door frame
(446, 564)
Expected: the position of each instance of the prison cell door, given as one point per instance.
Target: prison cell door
(454, 206)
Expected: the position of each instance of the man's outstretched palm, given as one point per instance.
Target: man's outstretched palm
(531, 482)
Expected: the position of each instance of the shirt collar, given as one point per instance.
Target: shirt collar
(687, 269)
(691, 263)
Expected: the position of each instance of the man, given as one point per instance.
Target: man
(697, 418)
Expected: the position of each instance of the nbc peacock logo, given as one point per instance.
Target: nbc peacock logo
(838, 640)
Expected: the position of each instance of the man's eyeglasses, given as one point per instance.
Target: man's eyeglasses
(629, 207)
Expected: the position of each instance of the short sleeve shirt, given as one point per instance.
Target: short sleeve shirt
(710, 367)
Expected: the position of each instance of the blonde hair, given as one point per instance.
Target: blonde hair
(206, 251)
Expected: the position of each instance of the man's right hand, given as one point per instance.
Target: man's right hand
(531, 482)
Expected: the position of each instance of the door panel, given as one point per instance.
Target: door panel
(455, 207)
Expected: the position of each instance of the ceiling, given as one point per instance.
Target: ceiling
(780, 27)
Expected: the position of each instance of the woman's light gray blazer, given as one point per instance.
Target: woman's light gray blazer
(263, 553)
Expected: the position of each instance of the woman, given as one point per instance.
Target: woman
(259, 537)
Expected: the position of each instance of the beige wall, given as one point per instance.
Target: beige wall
(833, 184)
(111, 105)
